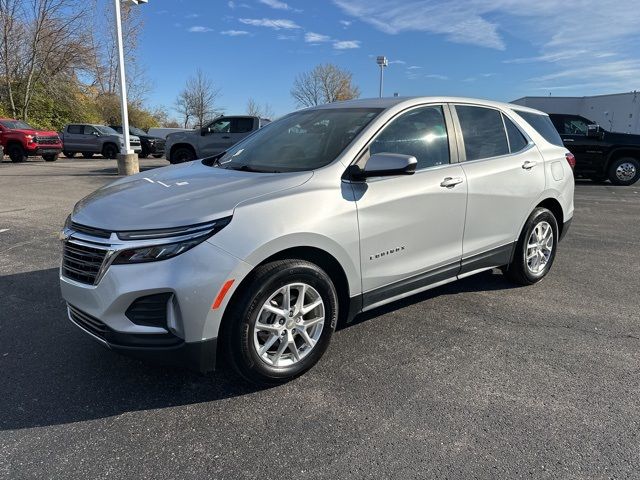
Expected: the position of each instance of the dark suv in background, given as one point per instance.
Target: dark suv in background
(599, 154)
(150, 145)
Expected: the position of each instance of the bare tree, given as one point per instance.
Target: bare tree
(197, 100)
(41, 40)
(324, 84)
(256, 110)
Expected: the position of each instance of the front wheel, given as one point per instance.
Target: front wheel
(624, 171)
(536, 248)
(87, 154)
(69, 154)
(110, 151)
(281, 322)
(51, 157)
(182, 155)
(16, 153)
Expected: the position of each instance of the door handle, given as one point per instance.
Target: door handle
(528, 165)
(450, 182)
(568, 140)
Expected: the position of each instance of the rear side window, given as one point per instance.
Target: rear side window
(75, 129)
(543, 125)
(517, 140)
(242, 125)
(483, 132)
(421, 133)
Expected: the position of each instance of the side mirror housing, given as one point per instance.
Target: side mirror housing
(95, 134)
(204, 131)
(593, 130)
(385, 165)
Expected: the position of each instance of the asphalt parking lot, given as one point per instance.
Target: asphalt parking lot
(476, 379)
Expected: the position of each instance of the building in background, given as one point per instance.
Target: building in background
(618, 112)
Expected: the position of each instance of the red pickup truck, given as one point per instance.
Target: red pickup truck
(21, 141)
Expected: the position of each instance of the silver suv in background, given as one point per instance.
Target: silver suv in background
(216, 137)
(254, 255)
(94, 139)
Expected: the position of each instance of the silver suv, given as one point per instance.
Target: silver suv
(254, 255)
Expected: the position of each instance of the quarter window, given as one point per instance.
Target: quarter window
(421, 133)
(517, 140)
(483, 132)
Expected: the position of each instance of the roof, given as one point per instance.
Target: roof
(388, 102)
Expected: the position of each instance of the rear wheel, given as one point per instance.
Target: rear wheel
(536, 248)
(87, 154)
(110, 151)
(144, 153)
(16, 153)
(69, 154)
(281, 322)
(52, 157)
(158, 156)
(624, 171)
(183, 154)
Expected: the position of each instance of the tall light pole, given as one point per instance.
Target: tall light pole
(127, 160)
(383, 62)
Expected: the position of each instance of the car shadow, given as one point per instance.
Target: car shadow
(53, 374)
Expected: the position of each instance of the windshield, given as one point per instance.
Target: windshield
(301, 141)
(16, 124)
(136, 131)
(105, 130)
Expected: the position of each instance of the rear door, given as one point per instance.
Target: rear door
(411, 225)
(73, 137)
(589, 151)
(505, 176)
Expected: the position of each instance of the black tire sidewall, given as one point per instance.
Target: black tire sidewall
(50, 158)
(16, 153)
(110, 151)
(612, 171)
(186, 153)
(240, 334)
(538, 215)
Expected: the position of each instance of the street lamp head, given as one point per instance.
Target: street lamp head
(382, 61)
(136, 2)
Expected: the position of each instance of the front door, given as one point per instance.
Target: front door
(411, 226)
(589, 151)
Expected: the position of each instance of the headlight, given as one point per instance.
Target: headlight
(67, 222)
(178, 240)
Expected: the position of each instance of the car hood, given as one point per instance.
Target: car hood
(180, 136)
(41, 133)
(623, 138)
(177, 195)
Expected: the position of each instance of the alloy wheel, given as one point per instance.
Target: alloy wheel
(289, 325)
(539, 247)
(626, 171)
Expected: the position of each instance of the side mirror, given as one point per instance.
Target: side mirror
(385, 165)
(593, 130)
(204, 131)
(95, 134)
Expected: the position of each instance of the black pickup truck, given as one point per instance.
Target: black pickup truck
(599, 154)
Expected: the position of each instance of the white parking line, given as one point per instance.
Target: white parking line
(2, 230)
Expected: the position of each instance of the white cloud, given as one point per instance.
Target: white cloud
(286, 37)
(397, 62)
(234, 33)
(413, 67)
(346, 23)
(192, 15)
(277, 4)
(593, 37)
(311, 37)
(436, 76)
(276, 24)
(346, 44)
(200, 29)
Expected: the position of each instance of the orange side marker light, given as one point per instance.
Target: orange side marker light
(223, 291)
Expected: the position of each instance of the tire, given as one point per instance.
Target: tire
(143, 154)
(523, 271)
(183, 154)
(16, 153)
(87, 154)
(69, 154)
(624, 171)
(52, 157)
(110, 151)
(247, 326)
(158, 155)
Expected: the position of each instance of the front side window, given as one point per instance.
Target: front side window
(221, 126)
(483, 132)
(89, 130)
(421, 132)
(105, 130)
(302, 141)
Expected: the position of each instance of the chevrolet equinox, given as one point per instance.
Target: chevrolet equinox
(252, 256)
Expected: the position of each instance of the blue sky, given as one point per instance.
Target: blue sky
(498, 49)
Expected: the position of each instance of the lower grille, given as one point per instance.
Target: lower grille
(82, 263)
(88, 322)
(150, 310)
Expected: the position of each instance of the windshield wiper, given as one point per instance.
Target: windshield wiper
(213, 161)
(248, 168)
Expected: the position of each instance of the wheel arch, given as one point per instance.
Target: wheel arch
(619, 152)
(181, 145)
(107, 143)
(554, 206)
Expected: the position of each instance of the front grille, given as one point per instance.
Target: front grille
(47, 140)
(160, 144)
(82, 263)
(88, 322)
(133, 143)
(94, 232)
(150, 310)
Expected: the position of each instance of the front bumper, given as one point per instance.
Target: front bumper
(44, 150)
(192, 280)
